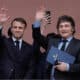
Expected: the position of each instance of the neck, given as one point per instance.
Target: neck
(16, 38)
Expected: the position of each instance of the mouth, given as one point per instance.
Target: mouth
(63, 32)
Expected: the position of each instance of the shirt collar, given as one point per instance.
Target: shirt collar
(14, 39)
(69, 38)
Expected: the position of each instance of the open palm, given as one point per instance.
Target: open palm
(3, 17)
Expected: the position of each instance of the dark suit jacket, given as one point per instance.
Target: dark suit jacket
(15, 64)
(73, 49)
(40, 58)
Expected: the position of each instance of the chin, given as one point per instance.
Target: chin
(17, 37)
(65, 36)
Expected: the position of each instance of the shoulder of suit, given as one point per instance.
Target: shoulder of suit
(77, 41)
(26, 43)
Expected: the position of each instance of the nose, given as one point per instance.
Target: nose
(17, 28)
(63, 27)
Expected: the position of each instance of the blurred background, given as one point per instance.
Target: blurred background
(28, 8)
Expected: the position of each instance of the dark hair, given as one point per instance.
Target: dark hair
(9, 32)
(66, 18)
(19, 19)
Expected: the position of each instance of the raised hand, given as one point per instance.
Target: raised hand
(3, 16)
(44, 17)
(40, 15)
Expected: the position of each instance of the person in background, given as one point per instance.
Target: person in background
(66, 29)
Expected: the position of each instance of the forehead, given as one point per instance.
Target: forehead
(65, 23)
(18, 23)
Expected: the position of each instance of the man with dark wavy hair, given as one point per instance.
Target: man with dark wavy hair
(66, 29)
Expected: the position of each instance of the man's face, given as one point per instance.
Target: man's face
(65, 29)
(17, 29)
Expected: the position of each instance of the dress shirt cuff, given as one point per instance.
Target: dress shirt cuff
(68, 67)
(37, 24)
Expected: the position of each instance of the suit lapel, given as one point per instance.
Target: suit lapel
(55, 42)
(13, 53)
(10, 45)
(71, 45)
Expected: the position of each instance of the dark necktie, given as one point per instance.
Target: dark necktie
(17, 44)
(64, 44)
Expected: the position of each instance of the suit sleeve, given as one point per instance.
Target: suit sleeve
(76, 66)
(75, 51)
(0, 33)
(42, 41)
(1, 42)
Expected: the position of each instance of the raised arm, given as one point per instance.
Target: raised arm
(40, 21)
(3, 18)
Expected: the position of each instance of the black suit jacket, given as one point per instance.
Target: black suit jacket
(40, 58)
(15, 64)
(73, 49)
